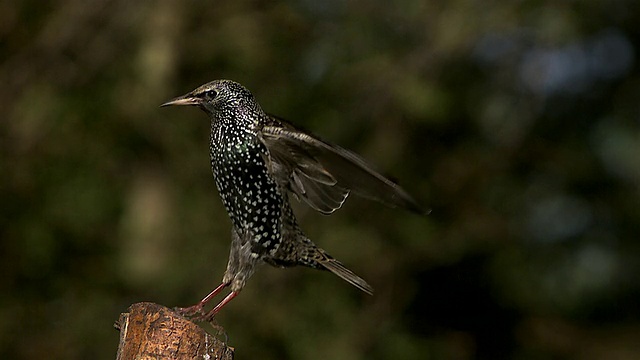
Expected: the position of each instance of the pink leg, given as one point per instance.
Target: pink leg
(211, 314)
(197, 308)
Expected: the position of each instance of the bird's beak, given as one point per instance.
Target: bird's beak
(187, 99)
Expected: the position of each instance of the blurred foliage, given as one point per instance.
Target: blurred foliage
(518, 123)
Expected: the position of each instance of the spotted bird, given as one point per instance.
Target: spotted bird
(258, 160)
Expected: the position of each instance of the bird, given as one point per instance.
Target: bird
(259, 161)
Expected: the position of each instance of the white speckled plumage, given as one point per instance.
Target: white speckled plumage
(257, 160)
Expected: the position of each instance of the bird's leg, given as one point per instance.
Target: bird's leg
(211, 314)
(197, 308)
(232, 268)
(239, 270)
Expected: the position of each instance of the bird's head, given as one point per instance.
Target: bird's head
(217, 96)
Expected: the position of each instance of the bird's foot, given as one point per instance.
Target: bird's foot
(194, 311)
(202, 317)
(209, 317)
(220, 332)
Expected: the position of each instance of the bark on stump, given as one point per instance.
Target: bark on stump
(152, 331)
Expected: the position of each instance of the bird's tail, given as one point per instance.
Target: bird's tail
(347, 275)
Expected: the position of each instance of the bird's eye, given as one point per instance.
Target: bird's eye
(210, 94)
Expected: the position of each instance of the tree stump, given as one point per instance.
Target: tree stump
(152, 331)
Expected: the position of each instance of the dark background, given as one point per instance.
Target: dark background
(516, 122)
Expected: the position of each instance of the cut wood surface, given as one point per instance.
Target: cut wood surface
(152, 331)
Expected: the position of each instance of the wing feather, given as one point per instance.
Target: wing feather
(323, 175)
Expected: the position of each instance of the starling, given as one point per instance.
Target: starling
(258, 160)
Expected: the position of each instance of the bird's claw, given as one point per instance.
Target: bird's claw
(202, 317)
(194, 311)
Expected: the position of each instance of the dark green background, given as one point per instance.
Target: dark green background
(516, 122)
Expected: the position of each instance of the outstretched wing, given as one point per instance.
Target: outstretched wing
(323, 175)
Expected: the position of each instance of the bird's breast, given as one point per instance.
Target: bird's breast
(248, 192)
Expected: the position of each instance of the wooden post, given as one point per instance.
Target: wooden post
(152, 331)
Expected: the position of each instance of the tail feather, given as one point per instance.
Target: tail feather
(347, 275)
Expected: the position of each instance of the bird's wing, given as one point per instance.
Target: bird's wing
(323, 174)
